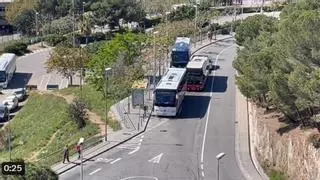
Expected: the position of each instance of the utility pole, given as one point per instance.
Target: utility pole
(73, 23)
(37, 33)
(154, 58)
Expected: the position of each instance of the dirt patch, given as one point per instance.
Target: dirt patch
(284, 147)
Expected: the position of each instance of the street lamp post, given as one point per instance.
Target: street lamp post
(37, 28)
(219, 156)
(167, 35)
(154, 57)
(106, 75)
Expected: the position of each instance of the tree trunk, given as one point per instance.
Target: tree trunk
(71, 80)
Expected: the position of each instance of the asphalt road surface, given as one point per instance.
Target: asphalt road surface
(183, 148)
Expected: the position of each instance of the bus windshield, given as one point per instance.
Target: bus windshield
(165, 98)
(2, 76)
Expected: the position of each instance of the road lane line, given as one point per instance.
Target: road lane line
(209, 107)
(115, 160)
(141, 140)
(97, 170)
(143, 177)
(139, 144)
(142, 136)
(137, 149)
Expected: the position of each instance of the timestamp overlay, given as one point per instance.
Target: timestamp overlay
(13, 168)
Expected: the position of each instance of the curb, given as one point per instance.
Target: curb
(253, 160)
(93, 156)
(251, 151)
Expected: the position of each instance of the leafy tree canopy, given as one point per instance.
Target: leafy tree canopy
(252, 27)
(111, 11)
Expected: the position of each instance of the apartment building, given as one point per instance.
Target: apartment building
(5, 27)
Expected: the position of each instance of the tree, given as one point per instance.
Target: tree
(17, 7)
(25, 22)
(111, 11)
(85, 25)
(61, 26)
(78, 113)
(123, 48)
(67, 61)
(253, 25)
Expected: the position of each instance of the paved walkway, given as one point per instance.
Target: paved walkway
(244, 151)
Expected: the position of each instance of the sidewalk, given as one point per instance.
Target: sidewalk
(244, 151)
(130, 129)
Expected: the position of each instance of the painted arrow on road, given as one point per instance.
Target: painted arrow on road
(156, 159)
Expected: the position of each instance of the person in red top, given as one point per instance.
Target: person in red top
(78, 149)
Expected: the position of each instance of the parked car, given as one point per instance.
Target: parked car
(12, 102)
(3, 113)
(20, 94)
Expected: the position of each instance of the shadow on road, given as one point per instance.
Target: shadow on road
(219, 84)
(19, 80)
(194, 106)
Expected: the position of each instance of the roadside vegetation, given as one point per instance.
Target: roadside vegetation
(278, 70)
(42, 129)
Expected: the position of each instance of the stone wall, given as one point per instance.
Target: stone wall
(289, 152)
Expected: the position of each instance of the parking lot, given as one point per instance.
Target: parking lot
(31, 70)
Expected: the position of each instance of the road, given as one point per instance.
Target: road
(177, 148)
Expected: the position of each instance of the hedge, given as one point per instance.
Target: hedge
(17, 48)
(55, 39)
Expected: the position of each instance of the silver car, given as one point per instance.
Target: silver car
(11, 102)
(20, 93)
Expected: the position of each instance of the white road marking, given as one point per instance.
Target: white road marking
(139, 144)
(156, 159)
(97, 170)
(144, 177)
(125, 147)
(142, 136)
(141, 140)
(137, 149)
(209, 108)
(41, 81)
(115, 160)
(108, 160)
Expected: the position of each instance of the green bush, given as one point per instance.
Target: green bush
(33, 171)
(277, 175)
(17, 48)
(55, 39)
(225, 31)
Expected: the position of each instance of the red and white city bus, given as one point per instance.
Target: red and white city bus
(197, 72)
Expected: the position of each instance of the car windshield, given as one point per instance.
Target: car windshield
(2, 76)
(2, 110)
(165, 98)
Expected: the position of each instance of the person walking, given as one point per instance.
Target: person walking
(66, 154)
(78, 149)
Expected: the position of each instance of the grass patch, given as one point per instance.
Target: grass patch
(34, 126)
(95, 101)
(277, 175)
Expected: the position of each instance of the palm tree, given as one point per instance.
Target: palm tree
(85, 25)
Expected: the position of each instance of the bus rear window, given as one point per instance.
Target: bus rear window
(2, 76)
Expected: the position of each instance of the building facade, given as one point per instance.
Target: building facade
(5, 27)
